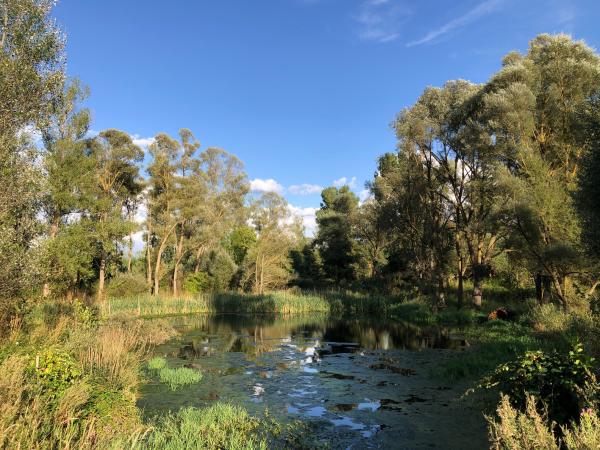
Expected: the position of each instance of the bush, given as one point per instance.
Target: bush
(531, 430)
(516, 430)
(126, 284)
(196, 283)
(564, 382)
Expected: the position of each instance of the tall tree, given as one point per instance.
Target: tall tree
(116, 182)
(31, 75)
(268, 264)
(68, 171)
(335, 235)
(535, 104)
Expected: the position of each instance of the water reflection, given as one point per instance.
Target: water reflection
(345, 373)
(255, 335)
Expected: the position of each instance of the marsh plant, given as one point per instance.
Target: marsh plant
(174, 377)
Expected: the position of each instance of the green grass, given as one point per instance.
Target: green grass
(493, 343)
(178, 377)
(219, 426)
(174, 377)
(156, 363)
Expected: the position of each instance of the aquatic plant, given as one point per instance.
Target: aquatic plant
(178, 377)
(156, 363)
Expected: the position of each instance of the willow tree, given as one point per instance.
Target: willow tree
(31, 75)
(443, 133)
(115, 173)
(535, 104)
(68, 175)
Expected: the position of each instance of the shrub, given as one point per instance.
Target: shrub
(531, 430)
(518, 430)
(55, 370)
(564, 382)
(196, 283)
(126, 284)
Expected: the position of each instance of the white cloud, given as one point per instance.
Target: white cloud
(479, 11)
(308, 216)
(364, 195)
(269, 185)
(304, 189)
(143, 142)
(345, 182)
(381, 20)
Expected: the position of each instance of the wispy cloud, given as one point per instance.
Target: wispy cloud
(474, 14)
(304, 189)
(381, 20)
(268, 185)
(344, 181)
(143, 142)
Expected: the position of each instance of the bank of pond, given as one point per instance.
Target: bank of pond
(290, 371)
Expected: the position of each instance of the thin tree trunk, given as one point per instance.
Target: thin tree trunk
(178, 256)
(130, 252)
(101, 276)
(149, 258)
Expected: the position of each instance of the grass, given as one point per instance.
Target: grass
(174, 377)
(220, 426)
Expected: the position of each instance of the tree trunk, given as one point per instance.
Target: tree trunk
(539, 288)
(130, 252)
(101, 276)
(178, 256)
(159, 253)
(546, 289)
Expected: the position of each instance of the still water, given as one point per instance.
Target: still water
(363, 383)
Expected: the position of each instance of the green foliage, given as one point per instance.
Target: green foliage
(157, 363)
(125, 284)
(564, 382)
(335, 236)
(239, 242)
(195, 283)
(55, 370)
(178, 377)
(532, 430)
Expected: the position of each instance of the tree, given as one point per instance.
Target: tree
(162, 219)
(116, 182)
(535, 104)
(223, 205)
(68, 172)
(334, 238)
(267, 264)
(31, 74)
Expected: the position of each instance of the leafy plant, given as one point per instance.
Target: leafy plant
(564, 382)
(55, 370)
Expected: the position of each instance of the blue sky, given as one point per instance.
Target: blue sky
(302, 91)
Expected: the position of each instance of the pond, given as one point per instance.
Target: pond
(362, 383)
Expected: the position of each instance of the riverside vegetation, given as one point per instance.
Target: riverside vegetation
(488, 209)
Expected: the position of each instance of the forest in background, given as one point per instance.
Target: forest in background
(493, 181)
